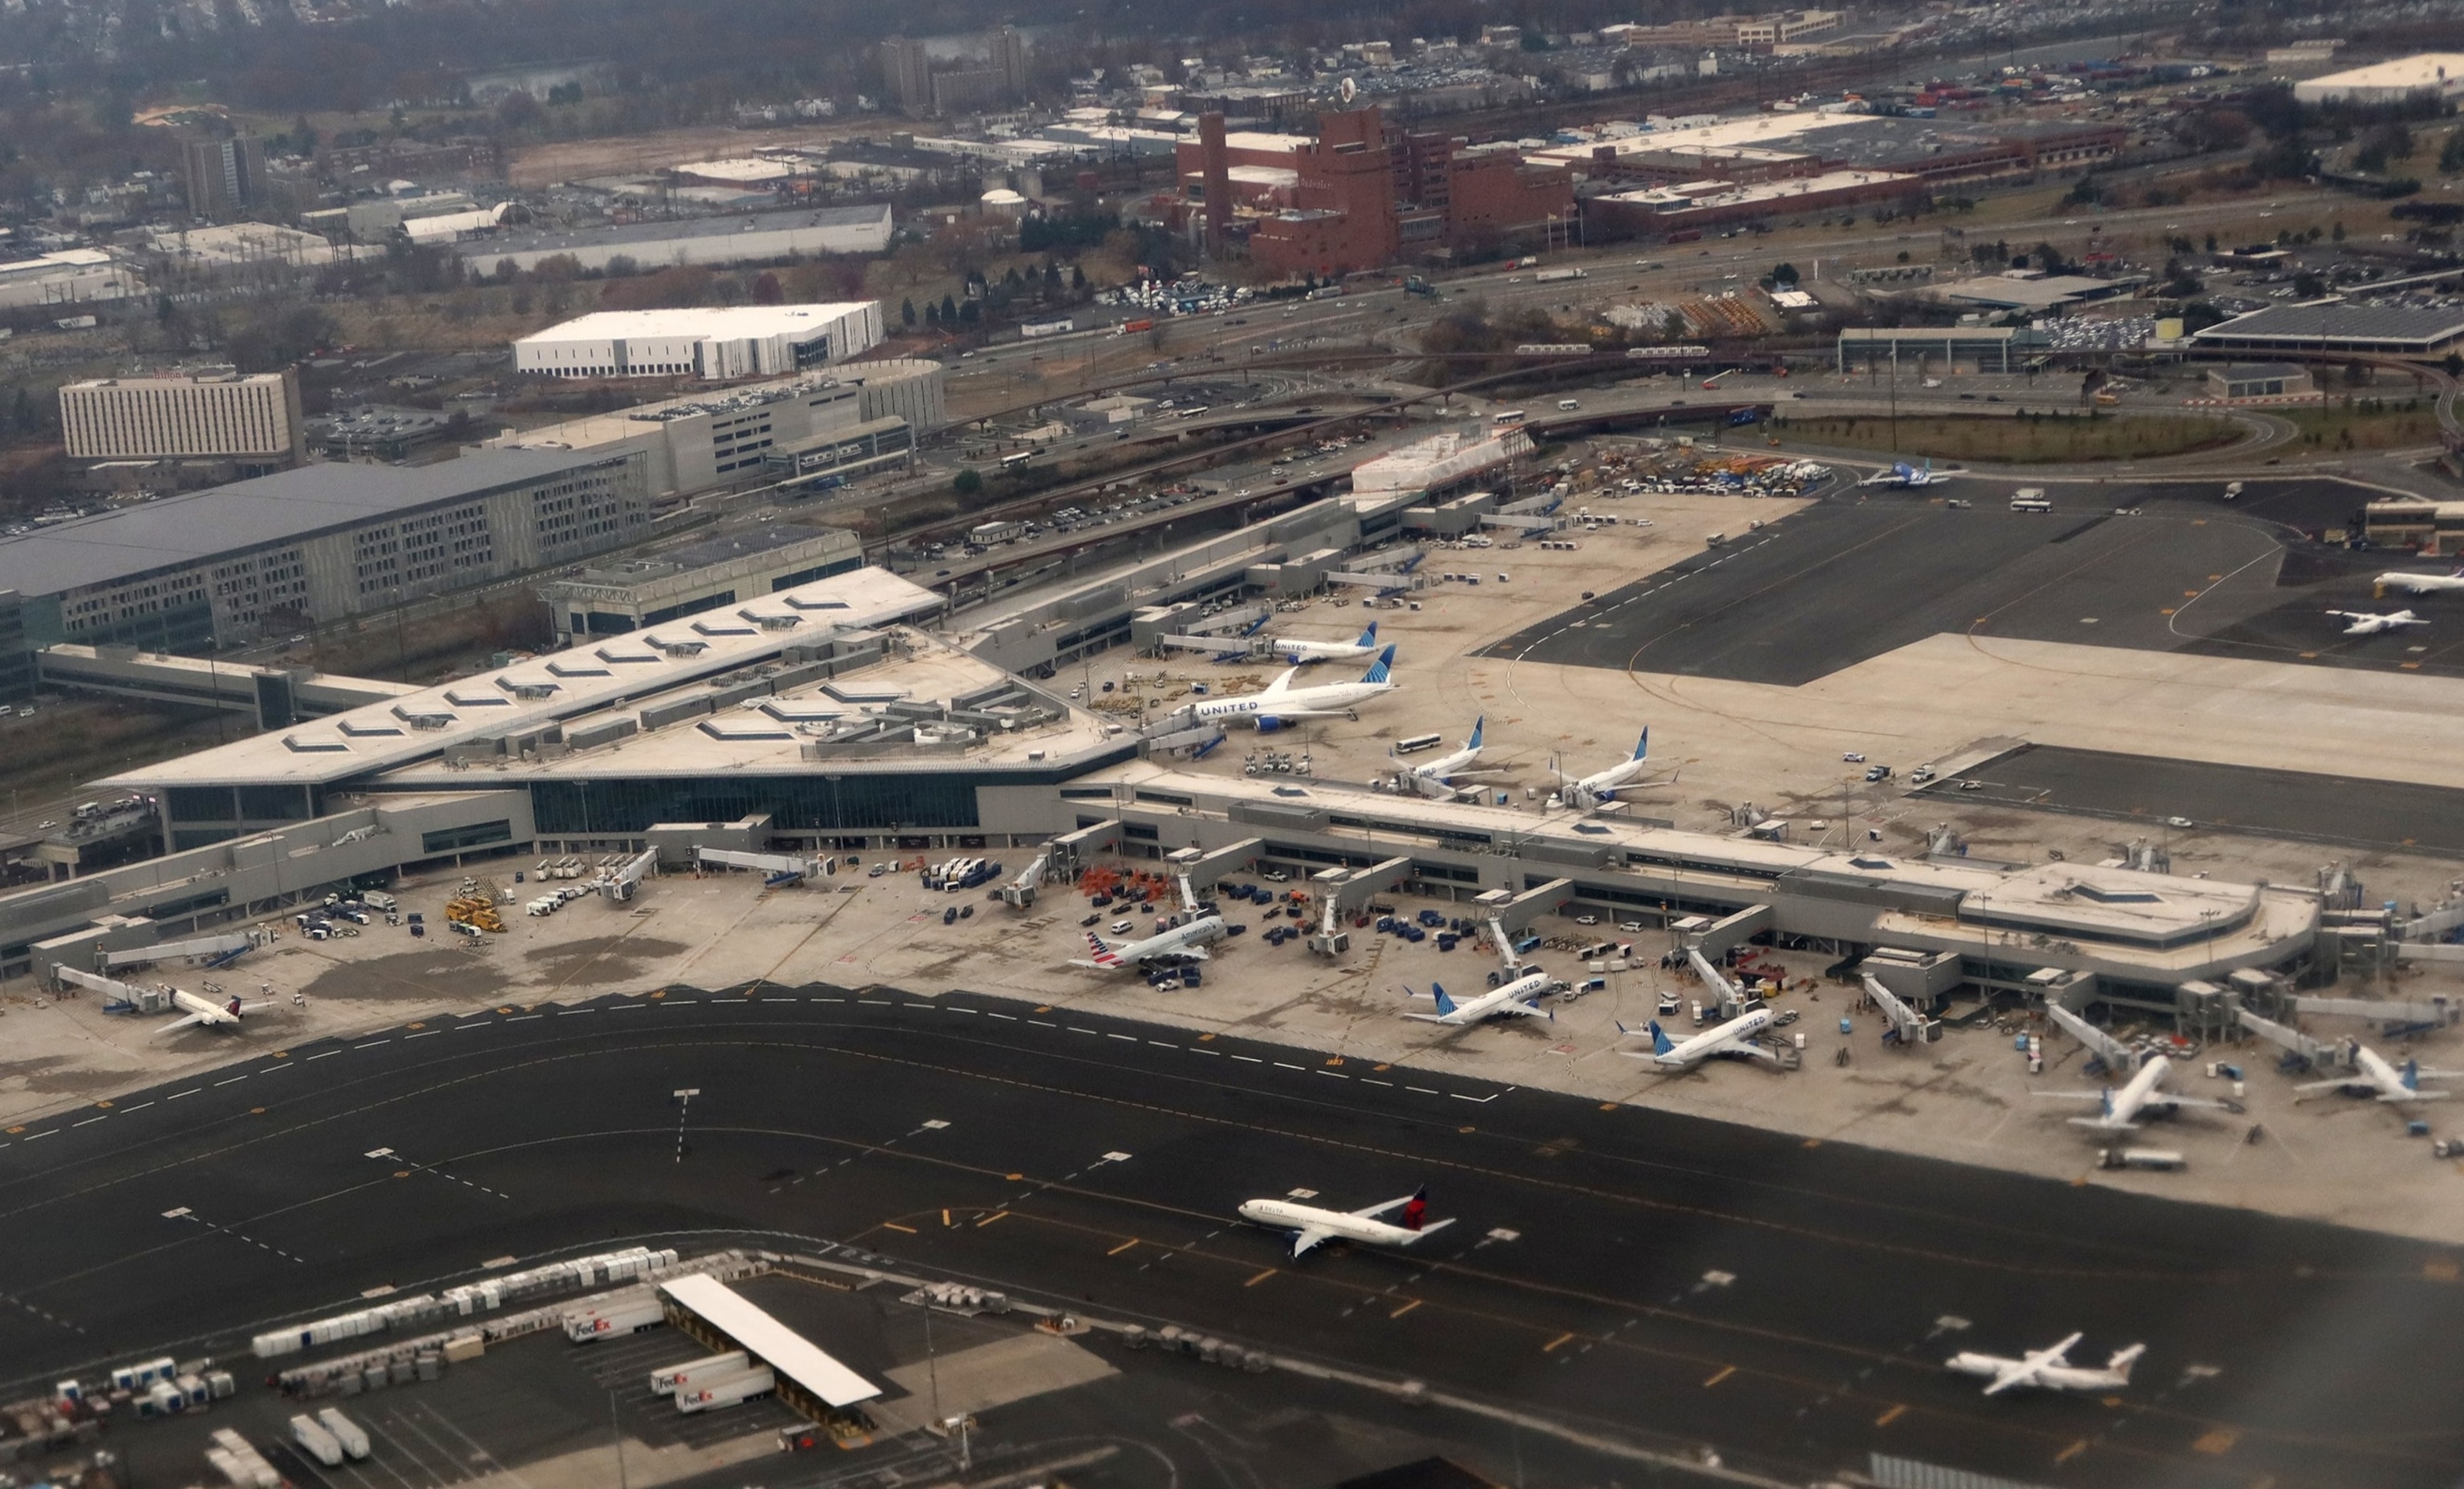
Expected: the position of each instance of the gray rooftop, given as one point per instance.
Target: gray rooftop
(624, 235)
(2429, 325)
(251, 513)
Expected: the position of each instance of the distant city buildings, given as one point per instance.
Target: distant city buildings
(736, 239)
(916, 87)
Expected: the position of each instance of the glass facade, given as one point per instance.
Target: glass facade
(811, 803)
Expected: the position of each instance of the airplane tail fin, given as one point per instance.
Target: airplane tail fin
(1103, 954)
(1368, 637)
(1477, 725)
(2412, 1075)
(1660, 1040)
(1416, 1210)
(2123, 1359)
(2106, 1103)
(1445, 1005)
(1642, 746)
(1382, 669)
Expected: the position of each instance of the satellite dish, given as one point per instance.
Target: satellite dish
(1349, 89)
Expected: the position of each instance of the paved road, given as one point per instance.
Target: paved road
(1627, 1271)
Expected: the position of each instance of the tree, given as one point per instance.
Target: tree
(1077, 277)
(949, 309)
(2337, 232)
(765, 289)
(932, 313)
(968, 481)
(1784, 276)
(907, 312)
(2451, 155)
(2308, 286)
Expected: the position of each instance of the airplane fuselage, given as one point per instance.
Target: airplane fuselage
(1726, 1039)
(1522, 992)
(1284, 1215)
(1254, 707)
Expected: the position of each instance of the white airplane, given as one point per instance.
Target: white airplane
(2365, 623)
(1312, 1227)
(2121, 1109)
(1519, 998)
(201, 1010)
(1602, 786)
(2048, 1369)
(1300, 653)
(1189, 940)
(1282, 702)
(1903, 474)
(1436, 777)
(2419, 584)
(1734, 1037)
(2384, 1081)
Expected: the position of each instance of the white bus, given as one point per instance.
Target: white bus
(1417, 743)
(1013, 461)
(2030, 498)
(1508, 419)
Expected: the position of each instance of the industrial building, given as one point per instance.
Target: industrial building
(2433, 74)
(2332, 326)
(697, 442)
(713, 344)
(753, 239)
(218, 421)
(316, 544)
(68, 277)
(699, 576)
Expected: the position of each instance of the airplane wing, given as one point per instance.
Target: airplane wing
(1283, 679)
(2068, 1096)
(1432, 1018)
(1309, 1237)
(2014, 1372)
(1373, 1212)
(178, 1024)
(1521, 1009)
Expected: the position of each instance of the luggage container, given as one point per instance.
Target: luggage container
(347, 1432)
(665, 1381)
(316, 1441)
(726, 1391)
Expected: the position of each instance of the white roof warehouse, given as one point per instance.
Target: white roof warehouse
(742, 340)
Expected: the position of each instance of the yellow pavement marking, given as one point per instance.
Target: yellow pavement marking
(1406, 1308)
(2071, 1452)
(1892, 1415)
(997, 1214)
(1724, 1372)
(1260, 1278)
(1552, 1346)
(2219, 1441)
(1123, 1246)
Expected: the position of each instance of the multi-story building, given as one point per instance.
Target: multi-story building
(250, 425)
(907, 75)
(316, 544)
(226, 177)
(966, 89)
(714, 345)
(1009, 59)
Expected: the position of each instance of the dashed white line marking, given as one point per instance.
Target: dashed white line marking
(232, 1082)
(422, 1034)
(1216, 1052)
(1336, 1074)
(1371, 1081)
(1423, 1090)
(176, 1094)
(953, 1009)
(1132, 1039)
(477, 1023)
(1075, 1030)
(1251, 1058)
(139, 1107)
(327, 1055)
(631, 1008)
(569, 1013)
(372, 1044)
(32, 1136)
(523, 1018)
(1284, 1065)
(91, 1121)
(1043, 1023)
(1005, 1017)
(1161, 1045)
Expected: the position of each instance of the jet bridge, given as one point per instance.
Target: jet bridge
(2293, 1041)
(1019, 893)
(2119, 1057)
(1204, 866)
(1731, 931)
(618, 885)
(1071, 851)
(781, 868)
(1907, 1026)
(222, 945)
(1515, 911)
(1341, 891)
(2436, 1013)
(1731, 1000)
(124, 997)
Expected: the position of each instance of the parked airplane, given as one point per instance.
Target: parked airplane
(2365, 623)
(1189, 940)
(1903, 474)
(1281, 703)
(1436, 777)
(1518, 998)
(1295, 651)
(1312, 1227)
(2048, 1369)
(1602, 786)
(2121, 1109)
(201, 1010)
(1734, 1037)
(2383, 1081)
(2419, 584)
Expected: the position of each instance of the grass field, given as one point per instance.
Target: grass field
(2021, 441)
(2369, 423)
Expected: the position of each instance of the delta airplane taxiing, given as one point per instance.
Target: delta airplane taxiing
(1312, 1227)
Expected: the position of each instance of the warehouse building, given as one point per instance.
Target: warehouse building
(2430, 74)
(226, 564)
(762, 237)
(66, 278)
(695, 443)
(713, 344)
(218, 424)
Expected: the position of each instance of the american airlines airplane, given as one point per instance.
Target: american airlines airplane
(1903, 474)
(1602, 786)
(2420, 584)
(1282, 703)
(2048, 1369)
(2373, 1075)
(2365, 623)
(1312, 1227)
(1436, 777)
(1189, 940)
(2121, 1109)
(1517, 999)
(1734, 1037)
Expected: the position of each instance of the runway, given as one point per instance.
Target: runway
(2150, 567)
(1622, 1271)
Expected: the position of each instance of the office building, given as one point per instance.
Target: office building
(226, 177)
(219, 419)
(68, 277)
(316, 544)
(714, 345)
(907, 75)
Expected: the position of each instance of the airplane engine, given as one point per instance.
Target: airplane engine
(1268, 724)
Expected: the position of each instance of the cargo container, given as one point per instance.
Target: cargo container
(725, 1391)
(314, 1441)
(629, 1316)
(667, 1380)
(379, 900)
(236, 1461)
(347, 1432)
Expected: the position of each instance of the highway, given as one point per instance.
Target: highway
(1646, 1275)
